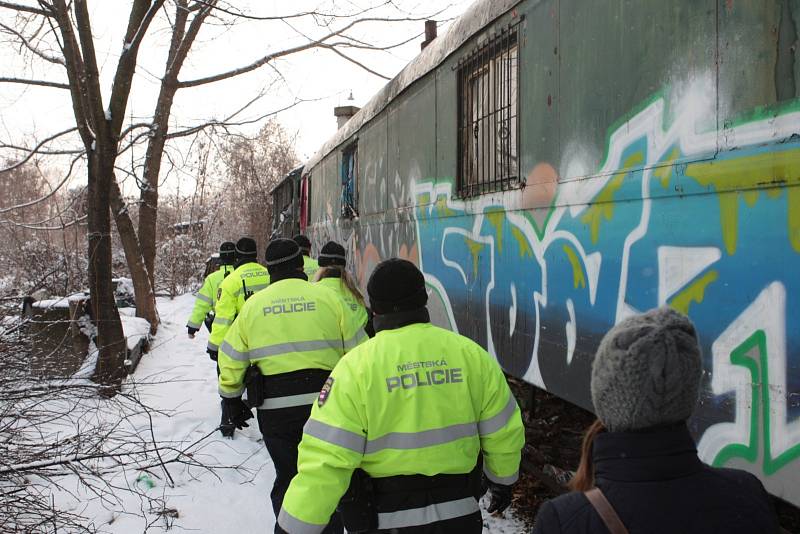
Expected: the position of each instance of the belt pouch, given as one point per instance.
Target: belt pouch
(254, 381)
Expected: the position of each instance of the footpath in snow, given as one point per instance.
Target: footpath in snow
(179, 379)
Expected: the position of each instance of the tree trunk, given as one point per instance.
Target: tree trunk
(111, 343)
(143, 291)
(148, 210)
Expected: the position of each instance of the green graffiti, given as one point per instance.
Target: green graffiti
(603, 205)
(694, 292)
(578, 279)
(771, 173)
(744, 356)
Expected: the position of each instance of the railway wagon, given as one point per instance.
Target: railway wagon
(556, 165)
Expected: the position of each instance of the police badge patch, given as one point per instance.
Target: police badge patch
(325, 392)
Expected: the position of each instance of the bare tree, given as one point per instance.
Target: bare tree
(254, 168)
(59, 33)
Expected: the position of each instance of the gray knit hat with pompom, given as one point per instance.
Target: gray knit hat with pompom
(647, 371)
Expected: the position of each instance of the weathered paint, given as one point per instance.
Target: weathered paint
(661, 150)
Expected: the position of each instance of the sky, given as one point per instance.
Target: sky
(318, 77)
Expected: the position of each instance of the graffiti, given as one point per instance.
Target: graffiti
(674, 216)
(750, 360)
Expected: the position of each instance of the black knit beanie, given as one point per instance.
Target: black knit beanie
(227, 252)
(283, 255)
(303, 242)
(396, 285)
(246, 249)
(332, 254)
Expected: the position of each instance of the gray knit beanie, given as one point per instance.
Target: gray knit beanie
(647, 371)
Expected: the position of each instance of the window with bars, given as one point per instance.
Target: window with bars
(349, 183)
(488, 124)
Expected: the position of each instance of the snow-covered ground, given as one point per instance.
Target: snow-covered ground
(178, 378)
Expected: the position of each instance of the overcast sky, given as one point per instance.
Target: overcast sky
(28, 114)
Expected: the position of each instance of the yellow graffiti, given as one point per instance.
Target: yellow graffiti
(496, 220)
(577, 271)
(776, 171)
(663, 173)
(474, 249)
(603, 206)
(693, 292)
(794, 217)
(524, 248)
(442, 208)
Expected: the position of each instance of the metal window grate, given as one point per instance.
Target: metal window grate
(488, 125)
(349, 193)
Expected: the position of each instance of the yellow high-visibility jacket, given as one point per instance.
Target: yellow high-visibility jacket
(354, 306)
(413, 400)
(250, 278)
(310, 266)
(290, 326)
(206, 298)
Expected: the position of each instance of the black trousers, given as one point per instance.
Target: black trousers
(468, 524)
(282, 431)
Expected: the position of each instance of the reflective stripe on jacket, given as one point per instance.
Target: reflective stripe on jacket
(413, 400)
(353, 306)
(290, 326)
(206, 298)
(232, 298)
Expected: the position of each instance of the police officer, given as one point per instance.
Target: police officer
(414, 414)
(333, 275)
(248, 277)
(292, 334)
(203, 311)
(310, 265)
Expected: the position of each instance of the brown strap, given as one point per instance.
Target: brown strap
(606, 511)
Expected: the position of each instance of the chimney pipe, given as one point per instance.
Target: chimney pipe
(343, 114)
(430, 33)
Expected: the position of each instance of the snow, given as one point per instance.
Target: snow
(59, 302)
(135, 329)
(177, 377)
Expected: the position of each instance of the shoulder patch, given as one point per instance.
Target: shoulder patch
(325, 392)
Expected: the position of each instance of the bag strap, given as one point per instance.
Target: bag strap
(605, 511)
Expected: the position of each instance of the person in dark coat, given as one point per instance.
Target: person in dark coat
(645, 384)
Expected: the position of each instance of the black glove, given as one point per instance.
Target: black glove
(500, 497)
(235, 413)
(212, 354)
(192, 330)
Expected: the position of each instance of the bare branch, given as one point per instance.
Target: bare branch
(27, 44)
(356, 62)
(312, 13)
(293, 50)
(50, 194)
(25, 9)
(140, 18)
(42, 83)
(36, 148)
